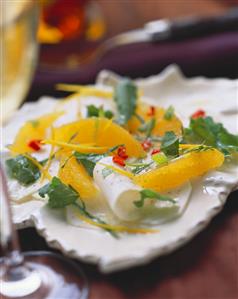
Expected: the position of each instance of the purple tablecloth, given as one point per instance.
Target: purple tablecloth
(213, 56)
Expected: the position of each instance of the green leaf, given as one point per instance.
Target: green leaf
(226, 142)
(125, 96)
(88, 160)
(170, 144)
(148, 127)
(148, 193)
(60, 195)
(23, 170)
(169, 113)
(93, 111)
(206, 131)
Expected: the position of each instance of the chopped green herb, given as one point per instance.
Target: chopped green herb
(93, 111)
(140, 118)
(170, 144)
(160, 158)
(136, 168)
(114, 148)
(169, 113)
(23, 170)
(82, 208)
(106, 172)
(66, 161)
(73, 136)
(43, 162)
(197, 149)
(60, 195)
(206, 131)
(148, 127)
(125, 96)
(148, 193)
(108, 114)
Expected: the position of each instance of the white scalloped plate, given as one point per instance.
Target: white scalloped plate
(219, 97)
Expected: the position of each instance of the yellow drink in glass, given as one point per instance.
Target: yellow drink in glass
(19, 21)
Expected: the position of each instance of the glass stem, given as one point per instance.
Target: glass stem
(13, 259)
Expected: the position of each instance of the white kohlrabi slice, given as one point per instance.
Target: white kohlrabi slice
(120, 193)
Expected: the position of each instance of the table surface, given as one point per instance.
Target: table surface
(205, 268)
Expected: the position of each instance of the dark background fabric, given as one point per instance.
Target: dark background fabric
(212, 56)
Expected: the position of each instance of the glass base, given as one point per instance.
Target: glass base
(47, 275)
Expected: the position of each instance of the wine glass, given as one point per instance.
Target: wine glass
(19, 49)
(34, 275)
(29, 275)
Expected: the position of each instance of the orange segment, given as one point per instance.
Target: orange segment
(32, 130)
(101, 132)
(181, 170)
(162, 125)
(75, 175)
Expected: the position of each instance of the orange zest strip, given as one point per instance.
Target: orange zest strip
(85, 148)
(185, 146)
(115, 228)
(85, 90)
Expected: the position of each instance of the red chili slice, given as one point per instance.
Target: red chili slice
(151, 111)
(35, 144)
(198, 113)
(118, 160)
(121, 152)
(155, 151)
(146, 145)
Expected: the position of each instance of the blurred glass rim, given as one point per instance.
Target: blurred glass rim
(16, 10)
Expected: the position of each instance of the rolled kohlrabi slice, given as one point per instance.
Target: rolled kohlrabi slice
(121, 193)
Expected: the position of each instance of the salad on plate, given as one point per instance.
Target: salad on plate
(112, 161)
